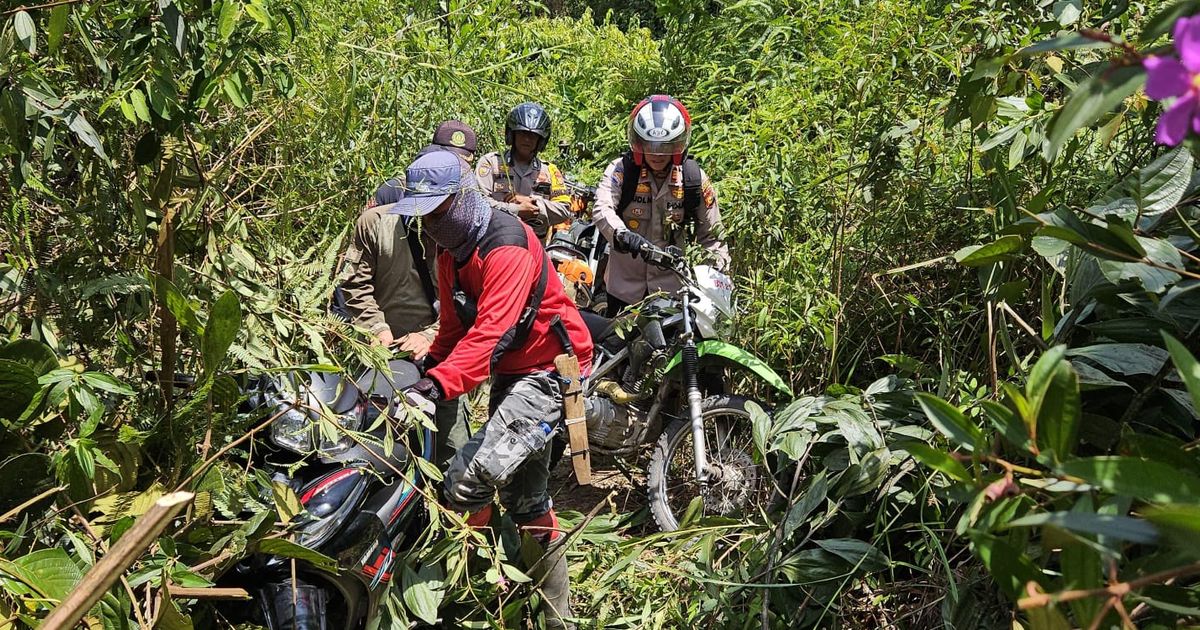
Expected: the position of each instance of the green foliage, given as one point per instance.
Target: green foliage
(968, 191)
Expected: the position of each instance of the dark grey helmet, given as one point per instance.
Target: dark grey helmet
(529, 117)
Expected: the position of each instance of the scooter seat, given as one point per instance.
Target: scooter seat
(599, 326)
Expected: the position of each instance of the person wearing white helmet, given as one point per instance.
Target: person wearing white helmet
(655, 194)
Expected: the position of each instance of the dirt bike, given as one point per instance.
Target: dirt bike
(361, 500)
(650, 368)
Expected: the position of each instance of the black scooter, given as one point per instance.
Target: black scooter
(362, 501)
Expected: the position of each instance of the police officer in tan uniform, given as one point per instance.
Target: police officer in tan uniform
(673, 202)
(517, 180)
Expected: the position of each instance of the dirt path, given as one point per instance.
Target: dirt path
(627, 495)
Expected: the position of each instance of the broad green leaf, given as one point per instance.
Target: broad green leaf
(1189, 369)
(1162, 21)
(1125, 358)
(1181, 517)
(86, 134)
(289, 549)
(236, 90)
(220, 331)
(1138, 478)
(1070, 41)
(812, 498)
(935, 459)
(1160, 185)
(18, 386)
(1041, 374)
(951, 422)
(857, 553)
(106, 383)
(171, 619)
(56, 574)
(1059, 411)
(179, 306)
(26, 31)
(34, 354)
(1090, 100)
(760, 424)
(57, 26)
(423, 590)
(1113, 526)
(1082, 566)
(287, 504)
(864, 476)
(812, 566)
(1008, 422)
(1067, 12)
(1047, 618)
(138, 100)
(257, 9)
(1009, 567)
(1147, 330)
(1002, 248)
(1179, 523)
(231, 10)
(1092, 378)
(1153, 279)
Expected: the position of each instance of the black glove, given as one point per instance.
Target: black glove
(630, 242)
(427, 363)
(426, 388)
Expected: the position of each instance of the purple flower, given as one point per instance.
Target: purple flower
(1168, 77)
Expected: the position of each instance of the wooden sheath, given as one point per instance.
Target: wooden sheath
(581, 458)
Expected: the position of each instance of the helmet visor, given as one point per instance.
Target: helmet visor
(674, 147)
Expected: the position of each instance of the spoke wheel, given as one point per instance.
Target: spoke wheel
(739, 483)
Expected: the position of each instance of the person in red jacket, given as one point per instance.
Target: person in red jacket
(503, 314)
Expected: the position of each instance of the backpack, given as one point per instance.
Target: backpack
(692, 184)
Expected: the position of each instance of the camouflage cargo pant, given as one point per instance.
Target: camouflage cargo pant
(511, 453)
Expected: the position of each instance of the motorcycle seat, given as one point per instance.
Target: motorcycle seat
(337, 392)
(599, 326)
(401, 374)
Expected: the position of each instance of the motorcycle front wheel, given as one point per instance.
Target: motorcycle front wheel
(741, 484)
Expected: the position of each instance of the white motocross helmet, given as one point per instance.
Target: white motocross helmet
(659, 125)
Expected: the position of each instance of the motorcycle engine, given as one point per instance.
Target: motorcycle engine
(648, 358)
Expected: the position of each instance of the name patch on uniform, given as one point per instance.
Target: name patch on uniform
(641, 199)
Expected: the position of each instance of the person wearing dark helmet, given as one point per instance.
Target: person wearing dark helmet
(655, 194)
(389, 283)
(518, 181)
(505, 316)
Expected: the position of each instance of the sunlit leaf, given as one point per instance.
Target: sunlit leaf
(951, 422)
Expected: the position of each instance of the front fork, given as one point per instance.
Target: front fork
(691, 383)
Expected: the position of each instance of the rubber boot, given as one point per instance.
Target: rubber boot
(551, 571)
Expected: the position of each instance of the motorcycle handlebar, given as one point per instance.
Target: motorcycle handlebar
(670, 258)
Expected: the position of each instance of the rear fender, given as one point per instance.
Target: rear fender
(730, 352)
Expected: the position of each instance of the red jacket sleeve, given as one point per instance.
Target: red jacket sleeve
(450, 330)
(508, 274)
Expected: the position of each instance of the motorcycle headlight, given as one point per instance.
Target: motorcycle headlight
(292, 430)
(340, 441)
(301, 433)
